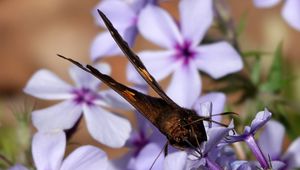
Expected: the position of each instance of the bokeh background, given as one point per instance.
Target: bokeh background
(33, 32)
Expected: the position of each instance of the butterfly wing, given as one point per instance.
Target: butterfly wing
(151, 107)
(135, 60)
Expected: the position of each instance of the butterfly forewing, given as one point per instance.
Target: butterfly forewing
(135, 60)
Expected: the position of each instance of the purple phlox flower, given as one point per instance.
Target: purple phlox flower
(210, 151)
(210, 104)
(104, 126)
(248, 165)
(183, 57)
(124, 15)
(271, 140)
(176, 161)
(48, 150)
(290, 11)
(18, 167)
(145, 144)
(260, 120)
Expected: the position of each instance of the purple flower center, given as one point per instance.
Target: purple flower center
(184, 52)
(139, 142)
(84, 95)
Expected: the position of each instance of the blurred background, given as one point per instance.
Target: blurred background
(33, 32)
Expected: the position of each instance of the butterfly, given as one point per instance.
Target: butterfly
(183, 128)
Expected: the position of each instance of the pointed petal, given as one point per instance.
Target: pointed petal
(218, 59)
(84, 79)
(292, 155)
(185, 86)
(48, 149)
(114, 100)
(272, 147)
(159, 64)
(260, 120)
(103, 46)
(218, 102)
(195, 17)
(176, 161)
(106, 127)
(86, 158)
(121, 15)
(265, 3)
(46, 85)
(156, 25)
(215, 135)
(291, 13)
(147, 157)
(60, 116)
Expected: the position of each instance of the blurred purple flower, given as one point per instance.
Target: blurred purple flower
(48, 150)
(104, 126)
(145, 144)
(124, 15)
(260, 120)
(183, 56)
(18, 167)
(176, 161)
(248, 165)
(271, 140)
(290, 11)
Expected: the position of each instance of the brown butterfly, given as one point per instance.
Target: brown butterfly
(183, 127)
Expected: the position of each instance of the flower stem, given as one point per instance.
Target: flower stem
(257, 152)
(212, 165)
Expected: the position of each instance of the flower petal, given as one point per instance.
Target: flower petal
(292, 155)
(159, 64)
(265, 3)
(46, 85)
(272, 147)
(218, 102)
(87, 80)
(121, 15)
(113, 100)
(60, 116)
(260, 120)
(106, 127)
(291, 13)
(147, 156)
(218, 59)
(103, 46)
(195, 17)
(215, 135)
(86, 158)
(156, 25)
(48, 149)
(176, 161)
(185, 86)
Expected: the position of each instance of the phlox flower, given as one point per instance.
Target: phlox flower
(104, 126)
(48, 150)
(145, 144)
(124, 15)
(260, 120)
(183, 56)
(271, 140)
(290, 11)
